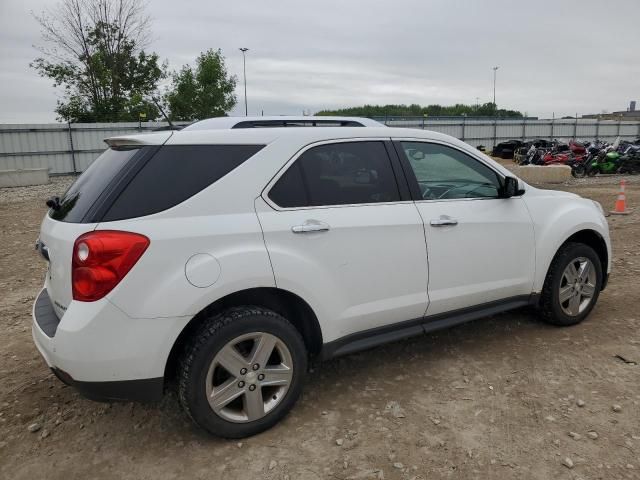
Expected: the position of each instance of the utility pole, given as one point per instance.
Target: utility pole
(495, 69)
(244, 74)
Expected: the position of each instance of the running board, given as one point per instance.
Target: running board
(411, 328)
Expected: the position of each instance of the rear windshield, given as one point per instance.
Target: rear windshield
(123, 184)
(89, 186)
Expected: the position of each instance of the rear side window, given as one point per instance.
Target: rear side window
(338, 174)
(174, 174)
(86, 190)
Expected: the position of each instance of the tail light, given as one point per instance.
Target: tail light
(101, 259)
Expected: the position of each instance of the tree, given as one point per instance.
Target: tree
(95, 52)
(203, 92)
(485, 110)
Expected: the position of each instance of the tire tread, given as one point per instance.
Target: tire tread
(547, 298)
(198, 341)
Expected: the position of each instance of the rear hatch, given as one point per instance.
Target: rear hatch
(78, 211)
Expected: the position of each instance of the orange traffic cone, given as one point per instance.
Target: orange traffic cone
(621, 202)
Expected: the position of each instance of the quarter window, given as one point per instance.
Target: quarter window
(446, 173)
(174, 174)
(338, 174)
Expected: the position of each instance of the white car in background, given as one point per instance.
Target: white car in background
(229, 257)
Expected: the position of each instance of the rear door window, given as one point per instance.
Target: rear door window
(343, 173)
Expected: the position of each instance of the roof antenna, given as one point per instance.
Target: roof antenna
(162, 112)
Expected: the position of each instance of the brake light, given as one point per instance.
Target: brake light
(101, 259)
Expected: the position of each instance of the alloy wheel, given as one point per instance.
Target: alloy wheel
(577, 286)
(249, 377)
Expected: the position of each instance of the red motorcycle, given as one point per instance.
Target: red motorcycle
(577, 148)
(561, 158)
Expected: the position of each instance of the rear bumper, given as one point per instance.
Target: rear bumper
(144, 390)
(102, 352)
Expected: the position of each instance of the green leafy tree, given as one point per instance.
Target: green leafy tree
(95, 52)
(204, 91)
(485, 110)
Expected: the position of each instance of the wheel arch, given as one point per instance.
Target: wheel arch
(288, 304)
(593, 239)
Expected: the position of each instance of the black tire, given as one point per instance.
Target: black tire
(579, 171)
(550, 308)
(208, 340)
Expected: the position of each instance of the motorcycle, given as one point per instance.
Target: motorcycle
(605, 162)
(577, 148)
(629, 162)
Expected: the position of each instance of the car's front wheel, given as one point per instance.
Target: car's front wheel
(572, 285)
(242, 372)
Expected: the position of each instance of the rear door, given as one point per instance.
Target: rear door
(342, 232)
(481, 247)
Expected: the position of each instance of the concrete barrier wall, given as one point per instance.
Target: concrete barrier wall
(536, 174)
(24, 178)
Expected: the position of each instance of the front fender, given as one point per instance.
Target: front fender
(556, 217)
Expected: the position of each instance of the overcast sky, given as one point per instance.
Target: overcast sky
(555, 56)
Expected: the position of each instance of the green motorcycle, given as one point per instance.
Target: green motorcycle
(608, 162)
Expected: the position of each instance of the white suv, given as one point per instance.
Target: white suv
(226, 259)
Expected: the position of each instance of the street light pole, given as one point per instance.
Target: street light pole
(495, 69)
(244, 74)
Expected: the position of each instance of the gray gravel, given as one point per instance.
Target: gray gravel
(57, 186)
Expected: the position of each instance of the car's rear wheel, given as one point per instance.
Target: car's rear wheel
(572, 285)
(242, 372)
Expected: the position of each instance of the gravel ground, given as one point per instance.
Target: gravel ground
(503, 397)
(58, 186)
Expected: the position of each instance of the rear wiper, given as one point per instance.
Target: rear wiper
(54, 203)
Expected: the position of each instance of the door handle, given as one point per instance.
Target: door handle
(444, 221)
(310, 226)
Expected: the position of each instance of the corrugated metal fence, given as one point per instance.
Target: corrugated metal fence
(490, 131)
(69, 148)
(63, 148)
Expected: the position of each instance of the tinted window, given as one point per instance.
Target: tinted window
(444, 173)
(290, 191)
(174, 174)
(338, 174)
(89, 186)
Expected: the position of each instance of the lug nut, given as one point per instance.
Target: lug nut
(256, 366)
(252, 387)
(261, 376)
(240, 384)
(243, 371)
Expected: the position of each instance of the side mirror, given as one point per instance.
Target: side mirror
(509, 187)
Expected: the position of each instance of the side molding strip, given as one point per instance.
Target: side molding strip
(411, 328)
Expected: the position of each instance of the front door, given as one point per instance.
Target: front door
(480, 247)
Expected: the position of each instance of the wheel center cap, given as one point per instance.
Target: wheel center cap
(251, 376)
